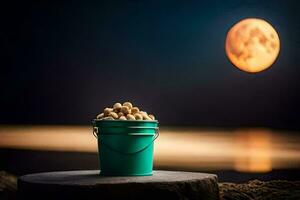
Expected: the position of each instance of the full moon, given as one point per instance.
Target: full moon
(252, 45)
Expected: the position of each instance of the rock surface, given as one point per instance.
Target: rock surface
(88, 185)
(276, 189)
(271, 190)
(8, 186)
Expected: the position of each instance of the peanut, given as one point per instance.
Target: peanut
(125, 110)
(152, 117)
(108, 118)
(120, 114)
(130, 117)
(145, 115)
(114, 115)
(100, 116)
(107, 111)
(117, 107)
(138, 116)
(135, 110)
(122, 118)
(128, 104)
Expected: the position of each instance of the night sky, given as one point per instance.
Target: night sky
(62, 63)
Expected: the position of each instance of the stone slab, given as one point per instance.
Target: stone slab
(90, 185)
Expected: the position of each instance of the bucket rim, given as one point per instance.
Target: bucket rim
(117, 120)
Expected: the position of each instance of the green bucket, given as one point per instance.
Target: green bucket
(125, 148)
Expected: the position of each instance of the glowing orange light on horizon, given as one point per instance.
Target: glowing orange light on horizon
(254, 151)
(252, 45)
(244, 150)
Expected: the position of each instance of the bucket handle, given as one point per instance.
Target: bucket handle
(95, 131)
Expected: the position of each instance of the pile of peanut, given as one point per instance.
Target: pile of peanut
(124, 112)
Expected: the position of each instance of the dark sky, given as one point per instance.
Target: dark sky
(62, 62)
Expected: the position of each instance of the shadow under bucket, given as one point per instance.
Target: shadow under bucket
(125, 148)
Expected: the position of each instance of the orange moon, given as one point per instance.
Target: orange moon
(252, 45)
